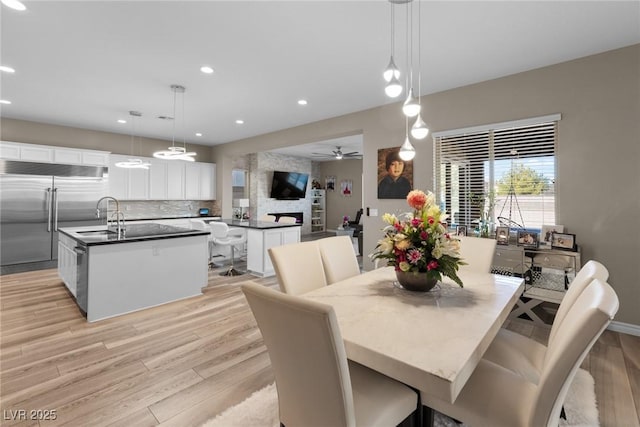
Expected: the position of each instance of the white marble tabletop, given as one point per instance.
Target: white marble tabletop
(431, 341)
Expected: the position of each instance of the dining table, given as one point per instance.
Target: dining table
(431, 341)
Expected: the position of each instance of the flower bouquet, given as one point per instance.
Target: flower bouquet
(418, 241)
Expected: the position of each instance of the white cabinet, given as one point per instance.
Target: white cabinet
(175, 180)
(127, 184)
(192, 181)
(258, 243)
(138, 185)
(318, 211)
(48, 154)
(164, 180)
(158, 176)
(93, 157)
(67, 262)
(36, 153)
(199, 181)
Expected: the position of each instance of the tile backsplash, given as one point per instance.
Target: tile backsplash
(154, 209)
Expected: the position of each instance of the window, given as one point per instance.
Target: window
(502, 173)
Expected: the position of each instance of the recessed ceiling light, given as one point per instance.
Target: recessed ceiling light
(7, 69)
(4, 101)
(239, 122)
(302, 102)
(122, 121)
(198, 134)
(206, 69)
(14, 4)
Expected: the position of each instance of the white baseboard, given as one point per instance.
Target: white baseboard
(625, 328)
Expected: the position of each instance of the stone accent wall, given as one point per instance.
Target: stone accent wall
(261, 167)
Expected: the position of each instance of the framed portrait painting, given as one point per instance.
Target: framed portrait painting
(395, 176)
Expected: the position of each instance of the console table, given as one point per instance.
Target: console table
(547, 274)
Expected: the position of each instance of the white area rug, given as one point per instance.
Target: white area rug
(261, 408)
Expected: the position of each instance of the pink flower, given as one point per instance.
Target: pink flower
(424, 235)
(433, 264)
(416, 199)
(431, 220)
(416, 222)
(414, 256)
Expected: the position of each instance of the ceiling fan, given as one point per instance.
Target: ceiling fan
(339, 155)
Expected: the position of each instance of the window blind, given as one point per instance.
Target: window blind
(500, 175)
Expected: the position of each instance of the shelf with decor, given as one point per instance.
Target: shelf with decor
(318, 211)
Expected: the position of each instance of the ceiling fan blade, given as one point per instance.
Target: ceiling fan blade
(351, 153)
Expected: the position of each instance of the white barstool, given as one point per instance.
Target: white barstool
(221, 237)
(198, 224)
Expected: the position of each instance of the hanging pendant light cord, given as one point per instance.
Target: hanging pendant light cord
(409, 72)
(173, 137)
(184, 133)
(393, 32)
(419, 54)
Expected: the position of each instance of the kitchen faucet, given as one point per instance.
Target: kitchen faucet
(119, 216)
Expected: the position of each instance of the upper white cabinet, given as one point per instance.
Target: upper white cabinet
(158, 176)
(164, 180)
(175, 179)
(199, 181)
(49, 154)
(127, 184)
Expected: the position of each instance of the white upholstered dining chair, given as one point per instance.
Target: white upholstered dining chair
(298, 267)
(524, 355)
(477, 252)
(338, 258)
(316, 384)
(495, 396)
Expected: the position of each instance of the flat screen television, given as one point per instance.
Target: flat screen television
(289, 185)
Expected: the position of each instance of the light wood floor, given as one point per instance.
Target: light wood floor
(182, 363)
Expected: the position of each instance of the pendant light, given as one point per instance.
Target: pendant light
(407, 152)
(176, 152)
(133, 163)
(411, 107)
(419, 130)
(391, 73)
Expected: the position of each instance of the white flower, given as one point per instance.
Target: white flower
(385, 246)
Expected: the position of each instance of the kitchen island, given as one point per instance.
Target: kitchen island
(110, 274)
(262, 235)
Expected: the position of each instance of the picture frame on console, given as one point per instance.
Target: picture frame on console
(564, 241)
(502, 235)
(461, 230)
(527, 239)
(546, 233)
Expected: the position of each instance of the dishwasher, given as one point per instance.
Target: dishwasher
(82, 276)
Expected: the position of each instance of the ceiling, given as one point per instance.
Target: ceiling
(87, 63)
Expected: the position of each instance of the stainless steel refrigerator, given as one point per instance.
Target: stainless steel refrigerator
(36, 199)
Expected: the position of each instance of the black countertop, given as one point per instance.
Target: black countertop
(91, 236)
